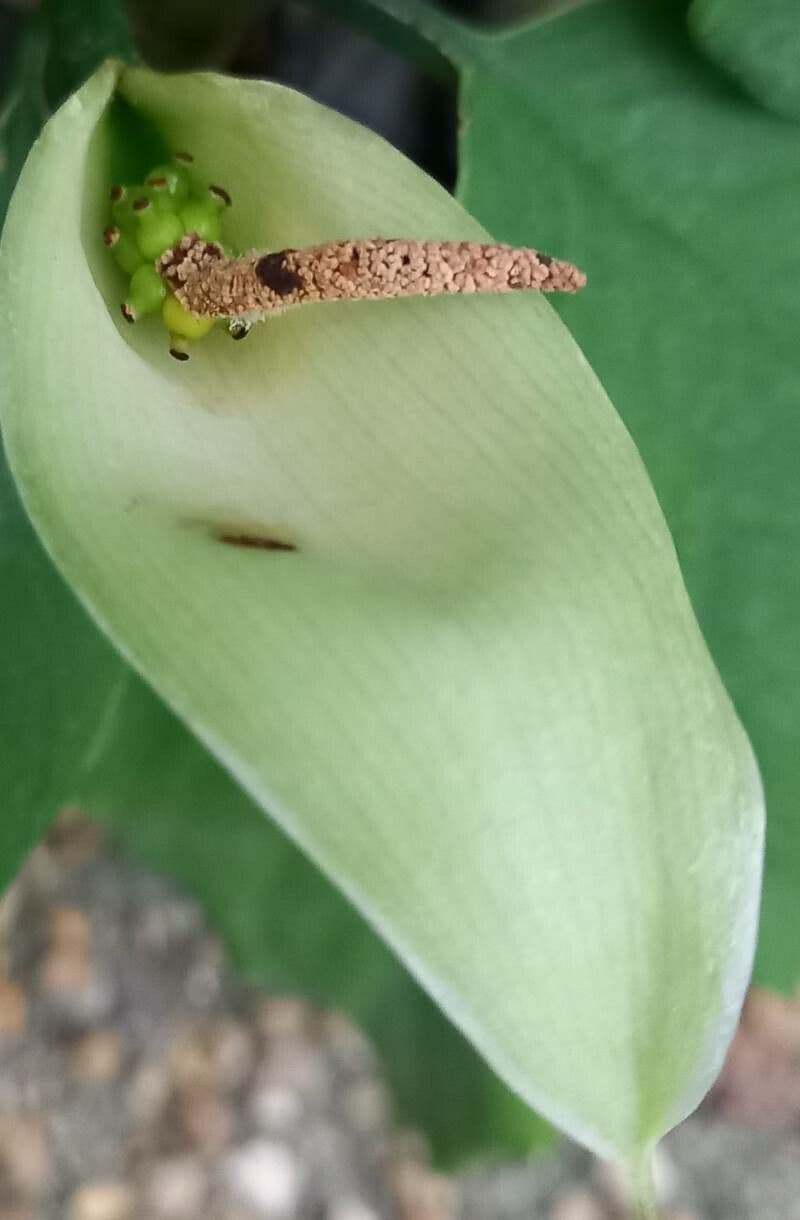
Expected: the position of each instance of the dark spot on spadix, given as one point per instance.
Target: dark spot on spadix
(545, 260)
(273, 273)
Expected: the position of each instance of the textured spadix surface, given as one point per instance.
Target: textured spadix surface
(476, 692)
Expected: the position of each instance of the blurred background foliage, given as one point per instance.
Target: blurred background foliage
(609, 133)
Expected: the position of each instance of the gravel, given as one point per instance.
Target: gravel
(139, 1077)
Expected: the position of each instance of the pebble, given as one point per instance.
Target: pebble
(191, 1060)
(232, 1052)
(577, 1205)
(208, 1120)
(16, 1211)
(215, 1054)
(365, 1106)
(421, 1194)
(148, 1093)
(24, 1154)
(73, 839)
(282, 1017)
(103, 1201)
(77, 996)
(163, 924)
(67, 969)
(97, 1056)
(613, 1183)
(13, 1009)
(276, 1109)
(775, 1017)
(231, 1210)
(203, 982)
(405, 1145)
(43, 874)
(300, 1066)
(265, 1175)
(76, 992)
(70, 928)
(176, 1188)
(351, 1050)
(760, 1082)
(351, 1209)
(323, 1148)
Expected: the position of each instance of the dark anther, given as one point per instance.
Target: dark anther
(157, 183)
(117, 194)
(111, 235)
(177, 354)
(141, 203)
(239, 328)
(127, 313)
(274, 274)
(185, 157)
(222, 194)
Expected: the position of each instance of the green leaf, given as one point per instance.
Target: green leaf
(62, 675)
(23, 108)
(668, 188)
(758, 44)
(476, 694)
(659, 186)
(58, 46)
(82, 33)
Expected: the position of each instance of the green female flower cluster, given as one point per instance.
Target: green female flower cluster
(148, 219)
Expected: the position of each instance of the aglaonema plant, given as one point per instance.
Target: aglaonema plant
(399, 567)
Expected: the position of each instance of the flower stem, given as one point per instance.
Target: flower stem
(646, 1206)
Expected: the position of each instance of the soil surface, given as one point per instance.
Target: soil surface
(140, 1078)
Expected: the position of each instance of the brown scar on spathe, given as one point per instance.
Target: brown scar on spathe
(242, 532)
(252, 541)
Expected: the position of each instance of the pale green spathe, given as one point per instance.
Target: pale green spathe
(476, 694)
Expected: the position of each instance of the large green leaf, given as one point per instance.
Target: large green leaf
(759, 44)
(476, 693)
(23, 107)
(679, 197)
(59, 673)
